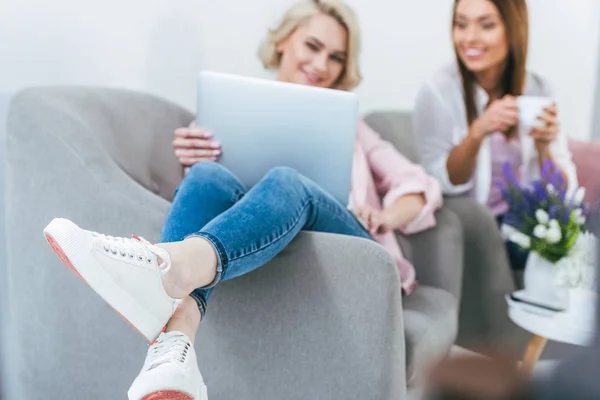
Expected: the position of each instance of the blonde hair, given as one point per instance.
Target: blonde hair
(300, 13)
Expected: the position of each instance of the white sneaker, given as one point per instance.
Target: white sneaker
(124, 272)
(170, 371)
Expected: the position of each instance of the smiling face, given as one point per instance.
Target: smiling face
(479, 36)
(315, 53)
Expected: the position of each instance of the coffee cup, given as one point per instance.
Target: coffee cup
(530, 108)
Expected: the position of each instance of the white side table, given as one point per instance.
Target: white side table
(546, 325)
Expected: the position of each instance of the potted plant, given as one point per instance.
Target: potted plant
(552, 226)
(577, 273)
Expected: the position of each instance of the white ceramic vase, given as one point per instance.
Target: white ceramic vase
(582, 307)
(540, 282)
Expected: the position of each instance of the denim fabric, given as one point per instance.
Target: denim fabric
(247, 228)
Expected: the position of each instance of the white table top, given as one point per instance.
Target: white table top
(553, 325)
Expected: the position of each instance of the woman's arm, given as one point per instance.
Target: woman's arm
(395, 217)
(557, 148)
(463, 158)
(405, 209)
(500, 116)
(410, 196)
(437, 134)
(544, 137)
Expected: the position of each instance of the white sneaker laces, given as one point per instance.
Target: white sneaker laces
(168, 348)
(135, 248)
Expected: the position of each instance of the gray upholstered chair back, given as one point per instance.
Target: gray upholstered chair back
(139, 147)
(4, 100)
(5, 378)
(395, 127)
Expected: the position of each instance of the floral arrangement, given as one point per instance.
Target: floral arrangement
(540, 217)
(578, 270)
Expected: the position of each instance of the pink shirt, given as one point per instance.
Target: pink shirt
(502, 151)
(379, 171)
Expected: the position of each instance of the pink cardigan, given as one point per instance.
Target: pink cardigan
(380, 171)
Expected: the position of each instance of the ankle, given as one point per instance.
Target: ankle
(201, 259)
(186, 319)
(193, 265)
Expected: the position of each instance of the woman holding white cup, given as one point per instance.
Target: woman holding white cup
(473, 116)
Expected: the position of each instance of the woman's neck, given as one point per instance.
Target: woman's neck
(491, 81)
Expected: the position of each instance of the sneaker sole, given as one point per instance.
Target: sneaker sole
(104, 286)
(168, 395)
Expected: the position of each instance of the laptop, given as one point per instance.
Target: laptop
(263, 124)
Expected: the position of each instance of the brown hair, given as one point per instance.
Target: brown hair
(515, 16)
(298, 14)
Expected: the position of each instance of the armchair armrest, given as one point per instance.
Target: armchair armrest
(437, 253)
(486, 277)
(431, 311)
(321, 320)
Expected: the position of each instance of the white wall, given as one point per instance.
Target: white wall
(565, 49)
(158, 46)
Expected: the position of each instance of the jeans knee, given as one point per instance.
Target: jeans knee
(211, 175)
(285, 175)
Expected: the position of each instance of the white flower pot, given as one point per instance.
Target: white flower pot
(582, 307)
(540, 282)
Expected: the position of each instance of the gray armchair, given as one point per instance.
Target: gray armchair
(4, 377)
(324, 319)
(483, 320)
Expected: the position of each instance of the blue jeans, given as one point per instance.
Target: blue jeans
(247, 228)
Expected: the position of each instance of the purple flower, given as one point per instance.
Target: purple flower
(513, 220)
(547, 169)
(553, 211)
(540, 191)
(529, 201)
(559, 183)
(500, 185)
(547, 193)
(509, 175)
(551, 174)
(566, 215)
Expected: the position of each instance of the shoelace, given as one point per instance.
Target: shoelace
(125, 247)
(168, 349)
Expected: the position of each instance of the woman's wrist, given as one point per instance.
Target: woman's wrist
(476, 131)
(405, 210)
(544, 153)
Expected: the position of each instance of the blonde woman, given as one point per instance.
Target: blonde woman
(217, 229)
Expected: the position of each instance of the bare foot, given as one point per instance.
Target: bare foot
(186, 319)
(193, 265)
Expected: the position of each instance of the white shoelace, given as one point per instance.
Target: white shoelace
(170, 347)
(133, 248)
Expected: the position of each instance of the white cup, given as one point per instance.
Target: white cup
(530, 108)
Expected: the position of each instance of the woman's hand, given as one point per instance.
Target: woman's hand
(543, 136)
(500, 116)
(396, 216)
(377, 221)
(194, 145)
